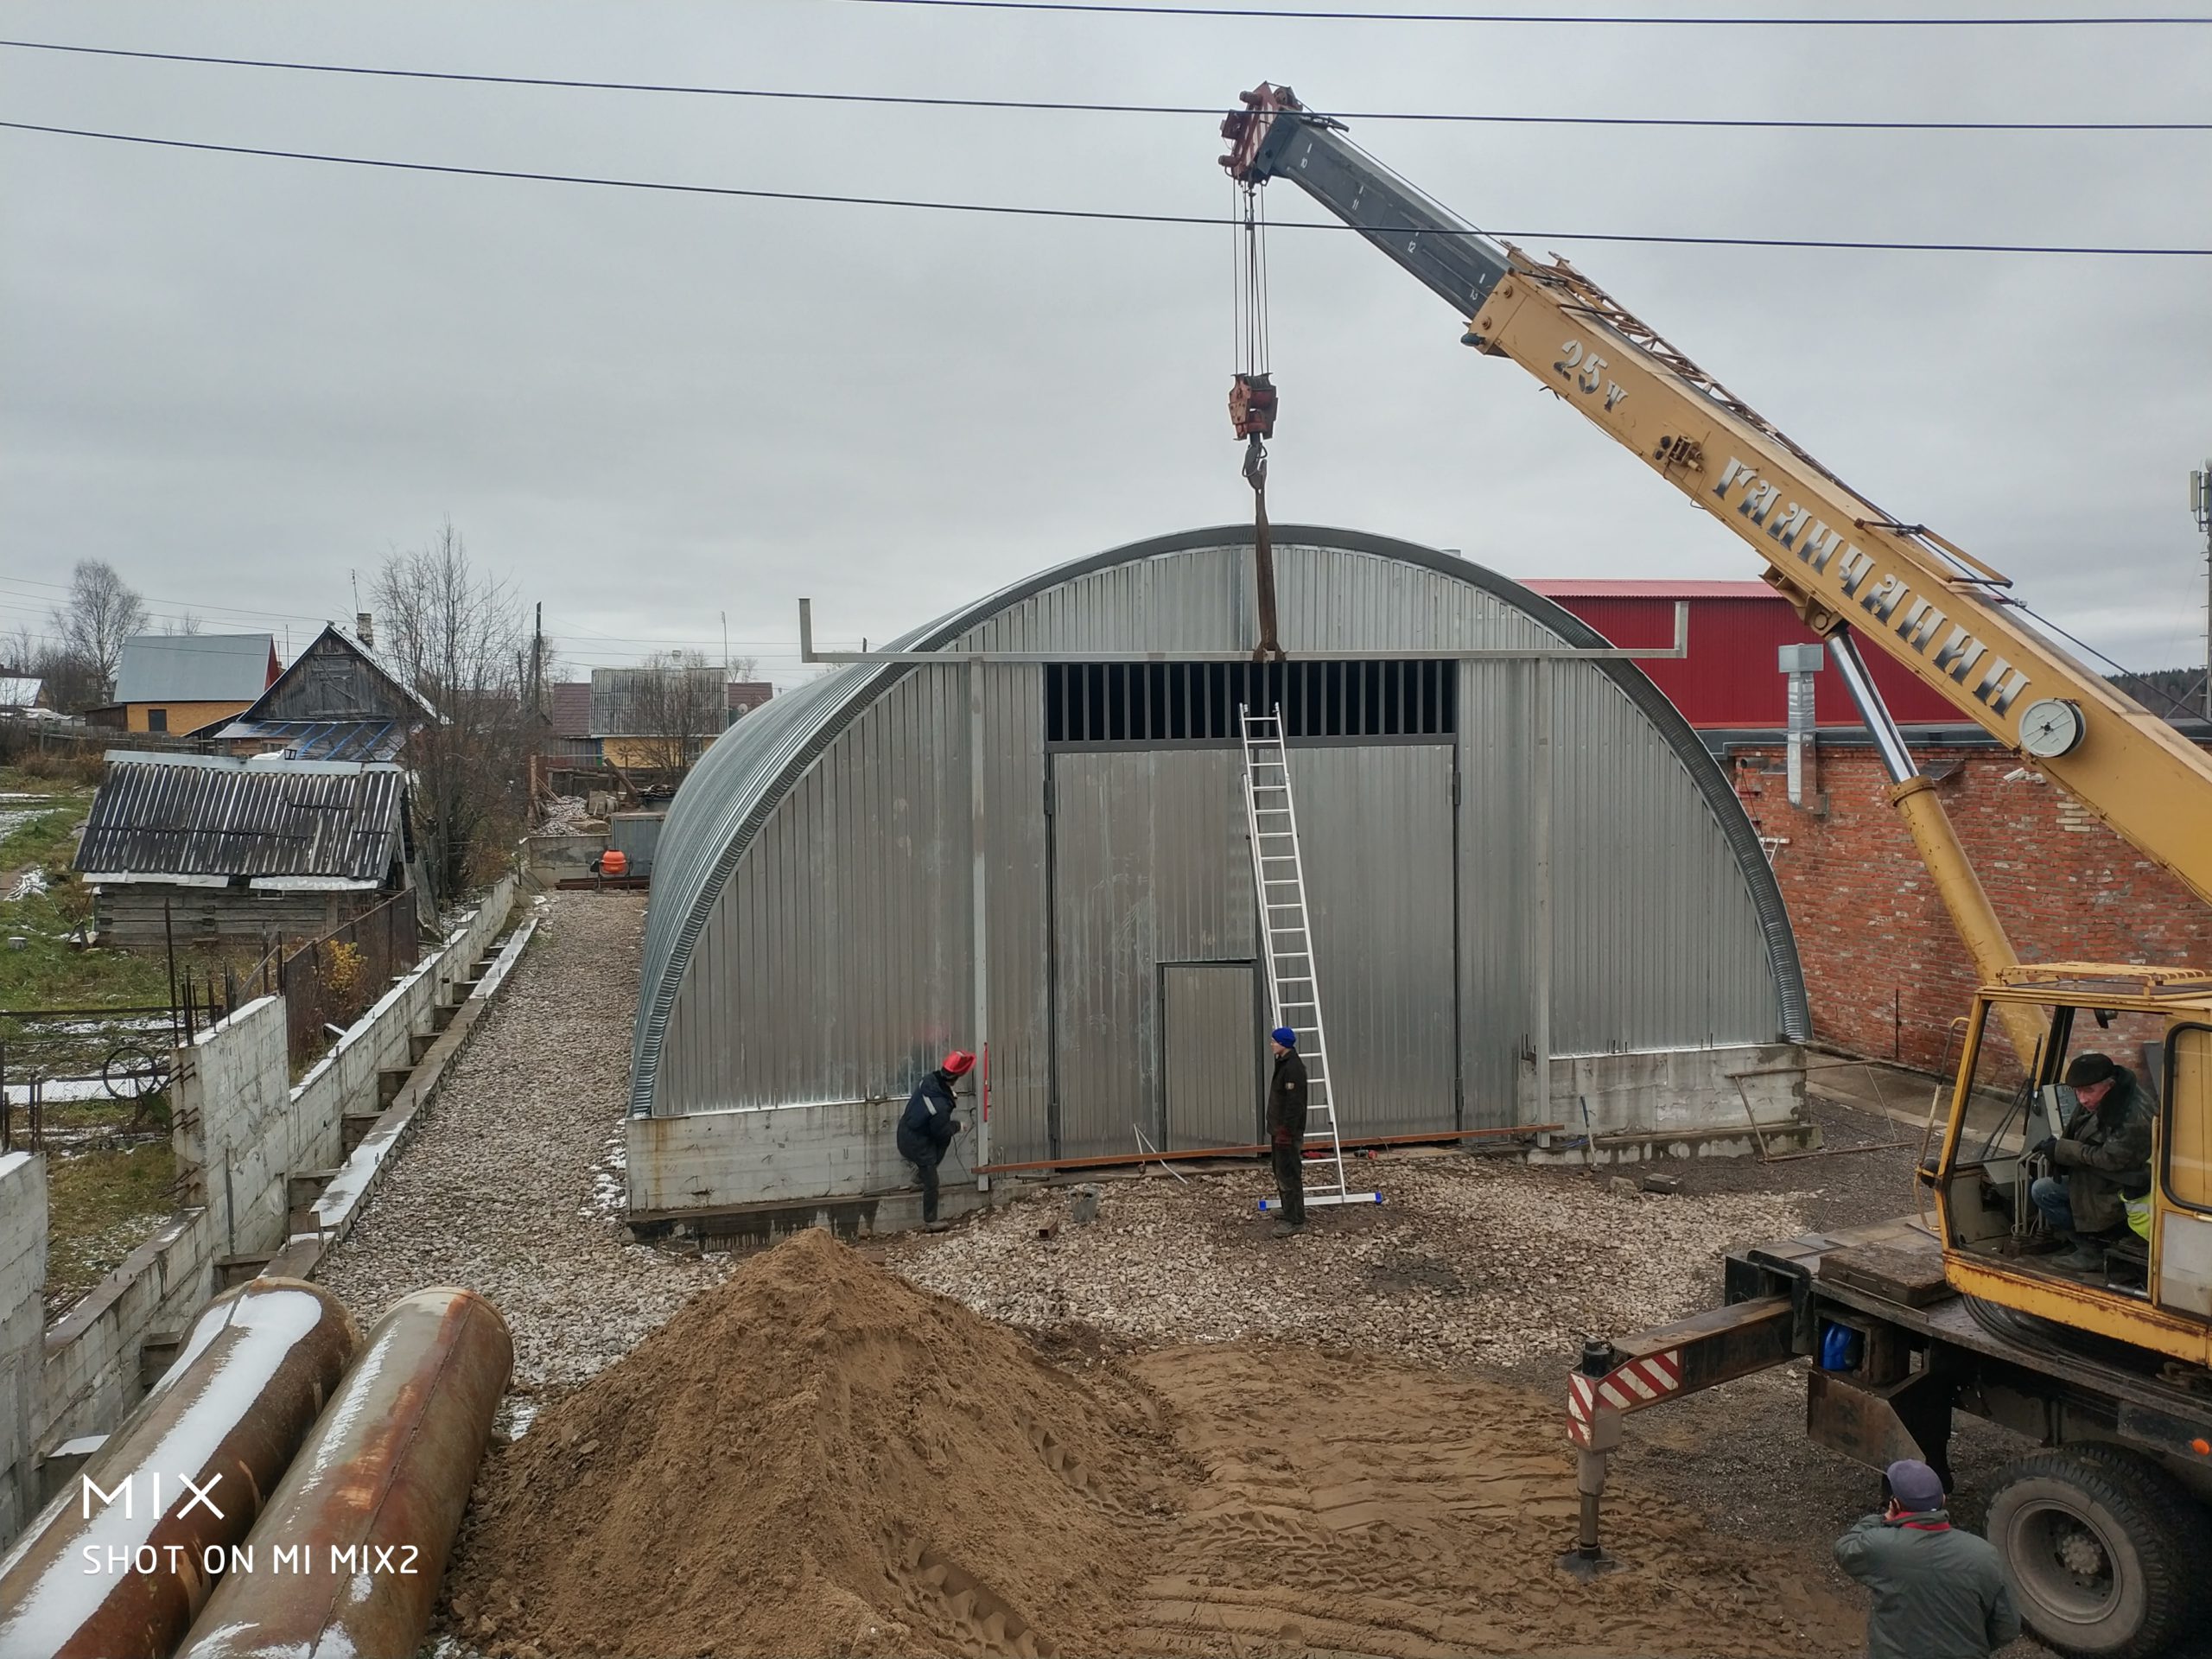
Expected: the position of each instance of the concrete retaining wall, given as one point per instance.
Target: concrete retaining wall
(241, 1129)
(1681, 1102)
(561, 858)
(22, 1280)
(236, 1133)
(93, 1358)
(773, 1154)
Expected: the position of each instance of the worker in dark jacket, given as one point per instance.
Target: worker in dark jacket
(927, 1126)
(1286, 1129)
(2103, 1155)
(1939, 1592)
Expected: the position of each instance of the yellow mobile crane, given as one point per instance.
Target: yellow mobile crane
(2105, 1530)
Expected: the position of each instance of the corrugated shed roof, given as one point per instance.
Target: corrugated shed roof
(572, 709)
(160, 816)
(194, 667)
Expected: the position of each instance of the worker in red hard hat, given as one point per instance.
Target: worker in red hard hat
(927, 1126)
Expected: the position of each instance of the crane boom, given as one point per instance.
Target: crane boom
(1842, 562)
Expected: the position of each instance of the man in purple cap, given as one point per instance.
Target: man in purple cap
(1287, 1129)
(1939, 1592)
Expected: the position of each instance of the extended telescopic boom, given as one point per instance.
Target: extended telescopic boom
(1842, 562)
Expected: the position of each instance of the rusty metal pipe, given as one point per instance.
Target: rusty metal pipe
(368, 1511)
(117, 1567)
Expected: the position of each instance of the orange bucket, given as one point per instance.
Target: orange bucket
(614, 863)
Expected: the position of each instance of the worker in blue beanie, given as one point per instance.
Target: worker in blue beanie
(1287, 1129)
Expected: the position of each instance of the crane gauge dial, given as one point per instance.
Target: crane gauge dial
(2051, 728)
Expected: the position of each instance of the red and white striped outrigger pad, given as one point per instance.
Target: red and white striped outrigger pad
(1628, 1387)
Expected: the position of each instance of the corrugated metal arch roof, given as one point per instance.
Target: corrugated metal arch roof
(735, 785)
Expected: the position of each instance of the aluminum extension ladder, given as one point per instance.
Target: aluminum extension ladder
(1294, 986)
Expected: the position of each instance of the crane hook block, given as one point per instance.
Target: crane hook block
(1252, 406)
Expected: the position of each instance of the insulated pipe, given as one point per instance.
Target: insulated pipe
(1913, 796)
(116, 1565)
(349, 1553)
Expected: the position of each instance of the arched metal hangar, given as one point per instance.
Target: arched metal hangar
(1533, 890)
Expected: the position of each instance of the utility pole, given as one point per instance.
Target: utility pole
(2200, 501)
(538, 662)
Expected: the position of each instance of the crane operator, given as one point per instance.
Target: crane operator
(2100, 1161)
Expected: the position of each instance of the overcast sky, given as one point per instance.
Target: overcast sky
(238, 378)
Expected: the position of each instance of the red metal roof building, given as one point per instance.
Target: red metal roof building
(1730, 681)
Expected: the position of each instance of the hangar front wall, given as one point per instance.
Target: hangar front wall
(835, 964)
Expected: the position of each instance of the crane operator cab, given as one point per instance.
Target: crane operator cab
(2076, 1184)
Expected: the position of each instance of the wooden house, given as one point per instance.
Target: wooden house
(178, 683)
(339, 700)
(207, 849)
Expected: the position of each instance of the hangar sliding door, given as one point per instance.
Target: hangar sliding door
(1149, 866)
(1375, 831)
(1151, 869)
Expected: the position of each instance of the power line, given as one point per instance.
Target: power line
(189, 604)
(1101, 8)
(1063, 106)
(1094, 214)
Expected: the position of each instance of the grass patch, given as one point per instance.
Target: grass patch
(49, 972)
(47, 839)
(101, 1207)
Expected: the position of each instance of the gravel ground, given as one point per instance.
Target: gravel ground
(506, 1186)
(1466, 1259)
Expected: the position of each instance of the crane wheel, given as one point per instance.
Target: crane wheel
(2109, 1556)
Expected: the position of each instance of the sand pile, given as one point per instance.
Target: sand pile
(815, 1457)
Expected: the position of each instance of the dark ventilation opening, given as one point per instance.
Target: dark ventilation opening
(1198, 703)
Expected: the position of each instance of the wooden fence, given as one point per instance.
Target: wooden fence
(330, 981)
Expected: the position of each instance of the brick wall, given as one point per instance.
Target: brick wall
(1884, 967)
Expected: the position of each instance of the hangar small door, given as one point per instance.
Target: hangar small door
(1152, 874)
(1210, 1058)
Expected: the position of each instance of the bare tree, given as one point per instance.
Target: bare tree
(676, 706)
(71, 685)
(99, 614)
(185, 623)
(743, 668)
(19, 650)
(460, 636)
